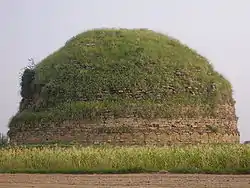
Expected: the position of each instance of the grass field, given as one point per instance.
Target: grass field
(75, 159)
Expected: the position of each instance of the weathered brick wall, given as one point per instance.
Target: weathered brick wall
(135, 131)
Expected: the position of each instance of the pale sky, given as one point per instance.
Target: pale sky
(217, 29)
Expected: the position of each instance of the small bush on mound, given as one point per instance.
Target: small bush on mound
(121, 72)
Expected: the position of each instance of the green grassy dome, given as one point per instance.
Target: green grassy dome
(121, 72)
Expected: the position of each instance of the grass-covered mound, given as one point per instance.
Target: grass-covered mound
(121, 72)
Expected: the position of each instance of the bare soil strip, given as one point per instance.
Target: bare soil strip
(123, 180)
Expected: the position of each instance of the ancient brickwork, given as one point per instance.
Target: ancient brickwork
(136, 131)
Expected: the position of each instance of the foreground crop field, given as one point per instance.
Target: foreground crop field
(76, 159)
(124, 180)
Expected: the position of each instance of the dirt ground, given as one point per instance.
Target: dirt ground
(122, 181)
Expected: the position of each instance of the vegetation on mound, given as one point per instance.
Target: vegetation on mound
(74, 159)
(120, 71)
(94, 110)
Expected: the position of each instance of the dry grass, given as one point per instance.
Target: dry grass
(76, 159)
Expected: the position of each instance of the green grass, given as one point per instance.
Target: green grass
(75, 159)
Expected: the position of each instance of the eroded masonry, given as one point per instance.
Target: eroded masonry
(137, 131)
